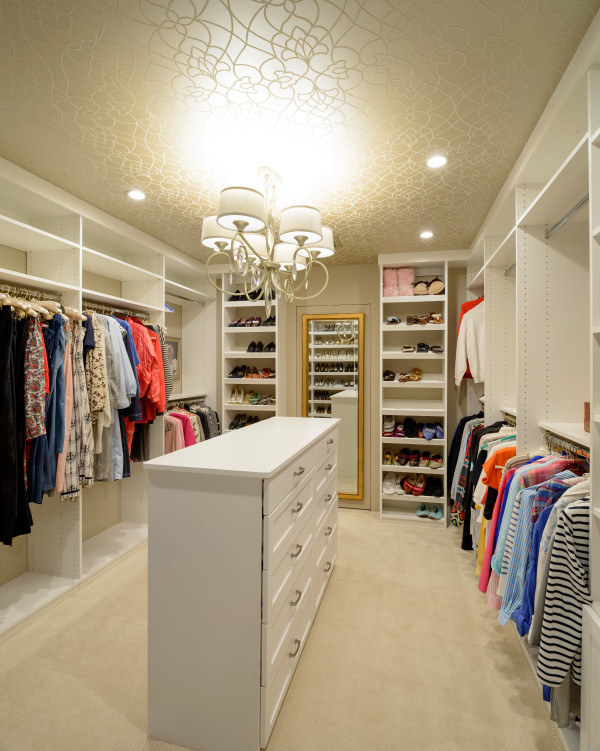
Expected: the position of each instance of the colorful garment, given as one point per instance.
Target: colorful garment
(35, 380)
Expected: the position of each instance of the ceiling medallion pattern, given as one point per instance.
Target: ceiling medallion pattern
(178, 97)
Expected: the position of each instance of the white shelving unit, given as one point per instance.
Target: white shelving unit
(53, 242)
(234, 349)
(425, 401)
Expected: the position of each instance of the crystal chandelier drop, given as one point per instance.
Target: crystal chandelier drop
(243, 236)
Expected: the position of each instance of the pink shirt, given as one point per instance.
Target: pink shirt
(188, 432)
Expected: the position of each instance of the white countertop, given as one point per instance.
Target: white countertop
(260, 450)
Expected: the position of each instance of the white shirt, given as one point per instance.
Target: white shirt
(471, 345)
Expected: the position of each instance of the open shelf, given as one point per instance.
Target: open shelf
(112, 301)
(28, 280)
(404, 327)
(107, 546)
(412, 441)
(396, 515)
(249, 330)
(105, 265)
(16, 234)
(249, 380)
(509, 411)
(175, 289)
(185, 395)
(248, 304)
(241, 353)
(412, 470)
(395, 354)
(506, 253)
(250, 407)
(411, 407)
(414, 298)
(572, 431)
(424, 383)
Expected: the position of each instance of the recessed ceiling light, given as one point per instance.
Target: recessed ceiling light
(426, 234)
(136, 194)
(437, 160)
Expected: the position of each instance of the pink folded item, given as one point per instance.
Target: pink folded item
(390, 283)
(406, 277)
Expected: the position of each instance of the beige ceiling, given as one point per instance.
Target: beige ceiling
(345, 98)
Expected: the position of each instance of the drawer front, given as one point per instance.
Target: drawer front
(326, 471)
(280, 526)
(291, 477)
(324, 502)
(275, 633)
(277, 580)
(325, 532)
(324, 568)
(272, 695)
(328, 444)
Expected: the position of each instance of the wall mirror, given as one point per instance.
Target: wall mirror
(333, 385)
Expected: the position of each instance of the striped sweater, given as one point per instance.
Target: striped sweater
(566, 593)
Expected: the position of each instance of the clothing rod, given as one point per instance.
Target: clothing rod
(187, 299)
(36, 293)
(110, 309)
(579, 205)
(555, 442)
(509, 269)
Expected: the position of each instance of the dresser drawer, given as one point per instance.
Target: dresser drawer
(278, 578)
(324, 567)
(280, 526)
(324, 501)
(272, 695)
(325, 532)
(276, 632)
(326, 470)
(328, 444)
(276, 488)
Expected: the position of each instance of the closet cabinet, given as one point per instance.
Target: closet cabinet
(242, 544)
(52, 242)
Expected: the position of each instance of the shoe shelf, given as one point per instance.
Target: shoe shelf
(334, 346)
(412, 470)
(234, 351)
(319, 414)
(424, 400)
(412, 441)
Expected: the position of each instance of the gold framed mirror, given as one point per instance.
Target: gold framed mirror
(333, 386)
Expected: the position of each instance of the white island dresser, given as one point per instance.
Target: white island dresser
(242, 542)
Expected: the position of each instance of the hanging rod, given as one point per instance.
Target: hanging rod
(36, 294)
(187, 299)
(579, 205)
(554, 443)
(509, 269)
(111, 309)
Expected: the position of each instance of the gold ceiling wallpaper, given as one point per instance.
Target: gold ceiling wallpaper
(344, 98)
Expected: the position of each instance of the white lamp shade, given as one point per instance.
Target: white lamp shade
(258, 243)
(324, 247)
(300, 220)
(213, 233)
(284, 255)
(241, 204)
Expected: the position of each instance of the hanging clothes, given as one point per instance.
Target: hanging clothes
(470, 345)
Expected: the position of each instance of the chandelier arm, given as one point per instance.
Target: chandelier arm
(310, 297)
(207, 264)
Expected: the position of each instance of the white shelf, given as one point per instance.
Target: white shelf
(248, 304)
(105, 548)
(249, 329)
(250, 381)
(28, 595)
(410, 407)
(412, 441)
(424, 383)
(395, 515)
(509, 411)
(250, 407)
(314, 414)
(412, 470)
(478, 282)
(16, 234)
(182, 396)
(568, 184)
(433, 499)
(414, 298)
(506, 253)
(180, 290)
(105, 265)
(334, 346)
(28, 280)
(572, 431)
(404, 327)
(395, 354)
(241, 353)
(116, 302)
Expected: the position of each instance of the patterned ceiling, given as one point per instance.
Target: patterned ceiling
(344, 98)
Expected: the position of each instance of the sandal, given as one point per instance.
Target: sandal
(256, 321)
(392, 320)
(387, 457)
(423, 348)
(421, 288)
(236, 322)
(436, 461)
(411, 320)
(254, 373)
(388, 375)
(437, 350)
(407, 349)
(425, 459)
(436, 318)
(403, 377)
(437, 286)
(422, 320)
(416, 374)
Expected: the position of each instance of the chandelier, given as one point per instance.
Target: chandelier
(243, 235)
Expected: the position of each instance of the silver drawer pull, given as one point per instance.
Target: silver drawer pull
(329, 531)
(328, 567)
(328, 467)
(298, 508)
(298, 598)
(299, 472)
(328, 497)
(330, 441)
(298, 551)
(295, 652)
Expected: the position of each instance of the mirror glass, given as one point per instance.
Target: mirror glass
(332, 377)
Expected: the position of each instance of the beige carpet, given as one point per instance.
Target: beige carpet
(404, 656)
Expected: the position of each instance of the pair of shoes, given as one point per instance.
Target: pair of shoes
(237, 295)
(242, 421)
(415, 484)
(244, 371)
(392, 320)
(237, 395)
(255, 347)
(270, 321)
(434, 287)
(424, 512)
(322, 396)
(266, 373)
(270, 347)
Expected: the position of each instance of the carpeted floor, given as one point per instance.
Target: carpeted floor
(404, 655)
